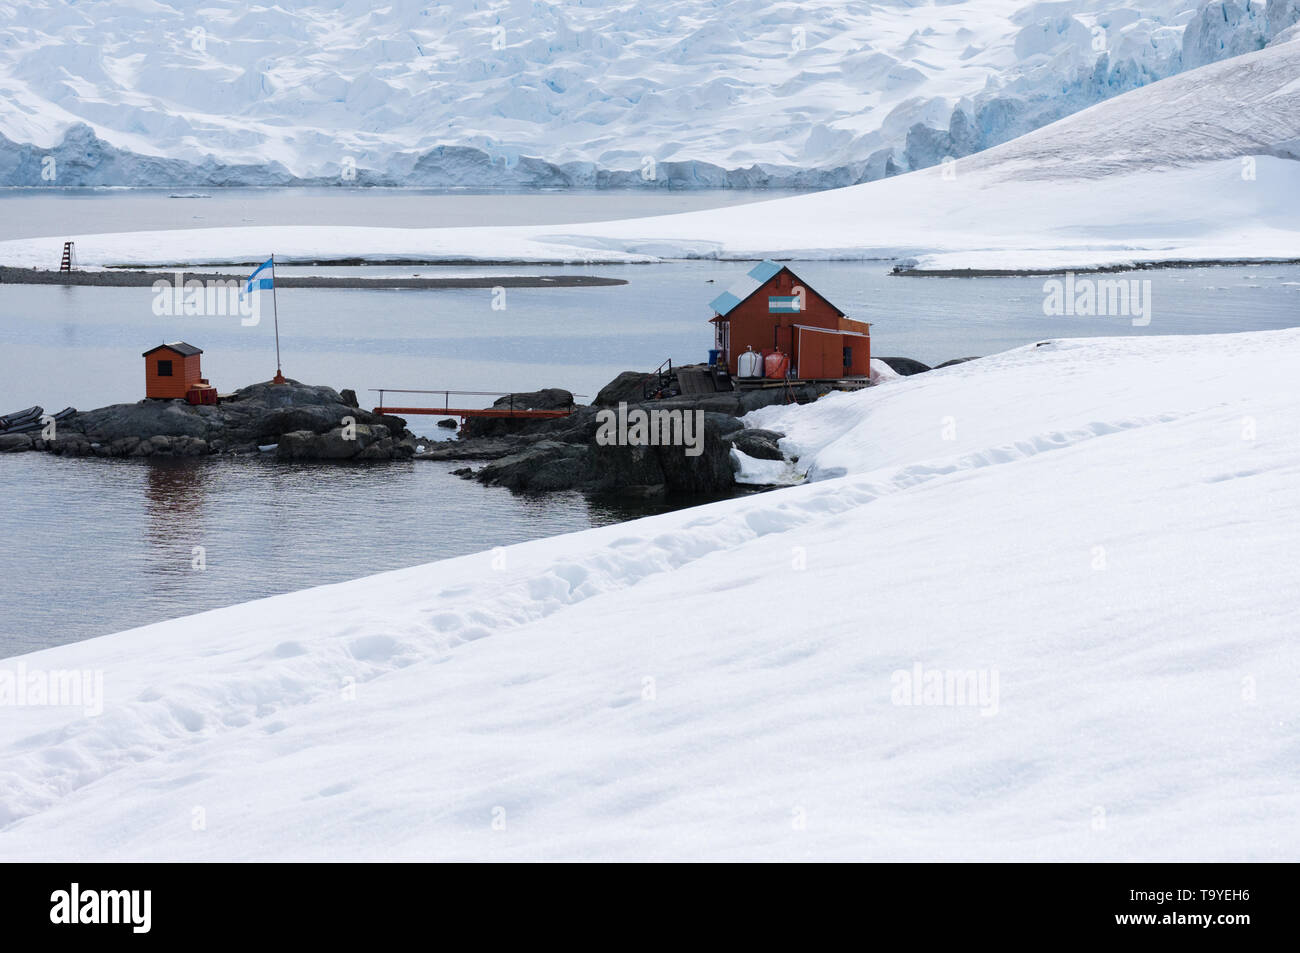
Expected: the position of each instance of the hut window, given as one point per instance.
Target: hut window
(164, 368)
(848, 357)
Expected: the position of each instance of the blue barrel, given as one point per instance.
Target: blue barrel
(713, 357)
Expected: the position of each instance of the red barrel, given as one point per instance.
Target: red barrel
(776, 364)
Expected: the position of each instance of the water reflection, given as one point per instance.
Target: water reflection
(96, 546)
(174, 494)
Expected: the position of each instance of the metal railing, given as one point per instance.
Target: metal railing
(446, 395)
(657, 380)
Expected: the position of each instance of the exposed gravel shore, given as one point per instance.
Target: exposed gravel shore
(116, 278)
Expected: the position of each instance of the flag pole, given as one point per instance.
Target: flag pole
(275, 311)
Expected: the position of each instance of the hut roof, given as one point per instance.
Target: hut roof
(180, 347)
(742, 289)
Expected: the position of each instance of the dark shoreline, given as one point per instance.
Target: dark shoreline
(904, 272)
(118, 278)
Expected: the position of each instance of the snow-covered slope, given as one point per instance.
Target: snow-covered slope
(856, 90)
(1106, 527)
(1201, 166)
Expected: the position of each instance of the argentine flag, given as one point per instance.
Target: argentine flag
(261, 284)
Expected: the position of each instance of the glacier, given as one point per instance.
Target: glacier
(514, 94)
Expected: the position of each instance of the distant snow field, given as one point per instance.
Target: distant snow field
(1199, 167)
(1039, 605)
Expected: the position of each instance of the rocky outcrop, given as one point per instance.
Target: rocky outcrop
(305, 422)
(360, 442)
(568, 456)
(759, 444)
(626, 388)
(905, 365)
(16, 442)
(565, 453)
(550, 398)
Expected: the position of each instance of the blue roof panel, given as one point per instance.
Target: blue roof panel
(764, 270)
(742, 289)
(724, 302)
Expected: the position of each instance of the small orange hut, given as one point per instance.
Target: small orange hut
(772, 309)
(172, 372)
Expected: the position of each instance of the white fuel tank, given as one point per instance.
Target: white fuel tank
(749, 364)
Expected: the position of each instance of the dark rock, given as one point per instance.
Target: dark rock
(142, 420)
(571, 458)
(707, 474)
(546, 465)
(188, 446)
(66, 443)
(725, 424)
(550, 465)
(450, 423)
(759, 444)
(626, 388)
(481, 448)
(905, 365)
(268, 427)
(365, 442)
(349, 397)
(250, 417)
(756, 397)
(551, 398)
(731, 403)
(15, 442)
(955, 360)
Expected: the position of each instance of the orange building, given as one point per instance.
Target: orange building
(172, 372)
(772, 309)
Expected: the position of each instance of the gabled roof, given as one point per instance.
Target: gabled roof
(180, 347)
(757, 276)
(745, 287)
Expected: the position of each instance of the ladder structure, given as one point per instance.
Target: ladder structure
(69, 257)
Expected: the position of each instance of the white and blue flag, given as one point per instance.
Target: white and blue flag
(261, 284)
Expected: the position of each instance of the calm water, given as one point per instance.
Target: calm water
(82, 346)
(32, 213)
(89, 547)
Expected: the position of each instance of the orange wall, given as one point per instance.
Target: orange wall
(752, 325)
(861, 366)
(185, 371)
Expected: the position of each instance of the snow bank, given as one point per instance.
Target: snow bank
(751, 471)
(1101, 533)
(882, 373)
